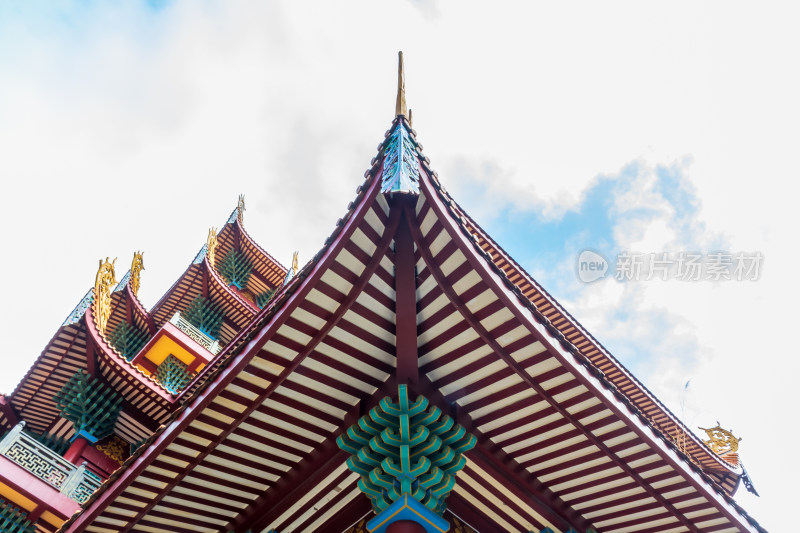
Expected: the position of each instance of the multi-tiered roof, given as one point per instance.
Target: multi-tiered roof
(111, 337)
(409, 310)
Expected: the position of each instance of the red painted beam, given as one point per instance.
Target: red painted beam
(291, 487)
(405, 298)
(405, 526)
(569, 357)
(505, 470)
(467, 514)
(470, 318)
(241, 361)
(35, 489)
(94, 336)
(350, 515)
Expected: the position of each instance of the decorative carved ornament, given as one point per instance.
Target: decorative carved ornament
(103, 285)
(407, 454)
(211, 245)
(721, 440)
(400, 167)
(136, 268)
(241, 208)
(115, 448)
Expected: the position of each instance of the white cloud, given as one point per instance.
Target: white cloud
(126, 128)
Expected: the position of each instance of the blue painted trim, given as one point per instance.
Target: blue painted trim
(400, 165)
(80, 309)
(123, 281)
(200, 255)
(86, 435)
(408, 508)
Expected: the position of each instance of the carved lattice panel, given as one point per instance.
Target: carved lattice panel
(36, 464)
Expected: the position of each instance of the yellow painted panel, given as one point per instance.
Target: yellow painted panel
(16, 498)
(166, 346)
(50, 518)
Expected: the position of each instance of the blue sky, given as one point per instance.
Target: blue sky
(617, 127)
(547, 246)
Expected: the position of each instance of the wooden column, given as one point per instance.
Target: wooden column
(75, 451)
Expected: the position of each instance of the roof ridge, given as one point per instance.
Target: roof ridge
(568, 346)
(552, 301)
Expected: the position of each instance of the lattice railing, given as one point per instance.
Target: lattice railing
(77, 482)
(196, 334)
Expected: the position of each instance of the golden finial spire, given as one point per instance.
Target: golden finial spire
(103, 285)
(211, 245)
(240, 206)
(400, 107)
(294, 263)
(136, 268)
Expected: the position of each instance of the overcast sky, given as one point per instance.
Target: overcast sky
(617, 127)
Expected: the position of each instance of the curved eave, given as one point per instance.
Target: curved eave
(274, 393)
(192, 283)
(239, 312)
(266, 256)
(580, 367)
(114, 367)
(64, 355)
(210, 371)
(125, 307)
(187, 287)
(267, 273)
(141, 315)
(282, 293)
(645, 400)
(213, 377)
(725, 474)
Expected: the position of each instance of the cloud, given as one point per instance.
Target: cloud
(129, 126)
(666, 332)
(645, 207)
(429, 8)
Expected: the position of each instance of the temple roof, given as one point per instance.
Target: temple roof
(202, 278)
(408, 290)
(79, 345)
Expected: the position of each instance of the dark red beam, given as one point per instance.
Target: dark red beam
(405, 297)
(203, 399)
(349, 515)
(292, 486)
(481, 331)
(505, 470)
(257, 403)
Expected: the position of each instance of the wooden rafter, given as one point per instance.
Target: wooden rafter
(565, 354)
(476, 325)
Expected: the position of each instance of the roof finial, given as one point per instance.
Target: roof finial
(211, 245)
(400, 107)
(103, 285)
(136, 268)
(240, 209)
